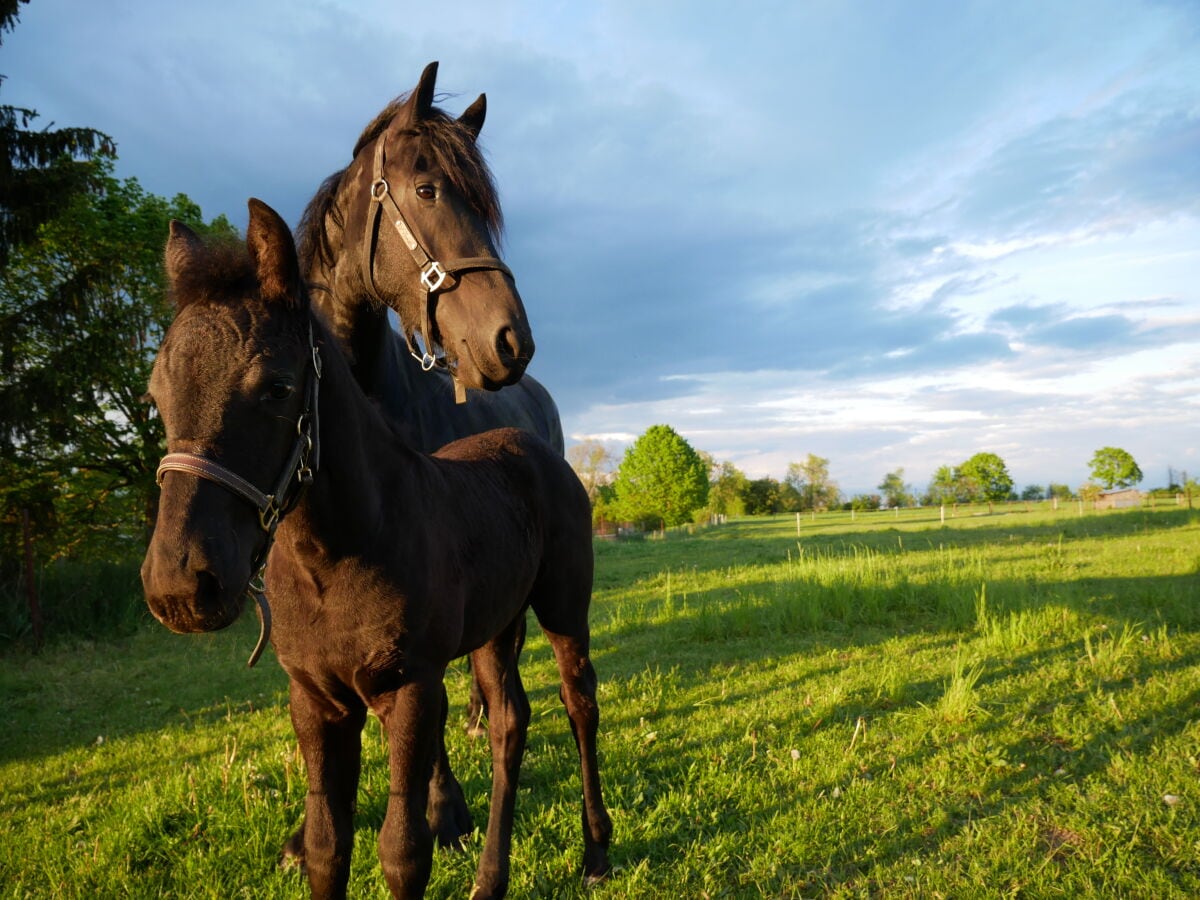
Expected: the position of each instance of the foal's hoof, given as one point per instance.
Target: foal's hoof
(292, 855)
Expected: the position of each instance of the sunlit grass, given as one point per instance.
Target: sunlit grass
(877, 706)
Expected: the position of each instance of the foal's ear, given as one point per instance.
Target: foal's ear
(474, 115)
(183, 248)
(420, 102)
(274, 254)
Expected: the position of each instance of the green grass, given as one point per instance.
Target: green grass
(1002, 706)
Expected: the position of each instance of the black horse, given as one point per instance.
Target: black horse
(387, 563)
(472, 329)
(417, 166)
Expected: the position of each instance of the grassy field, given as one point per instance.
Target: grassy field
(1002, 705)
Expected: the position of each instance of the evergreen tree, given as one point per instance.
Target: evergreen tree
(40, 170)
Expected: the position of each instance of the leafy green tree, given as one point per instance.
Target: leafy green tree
(943, 487)
(895, 490)
(1059, 491)
(810, 480)
(726, 488)
(1033, 492)
(41, 170)
(987, 477)
(661, 478)
(1114, 467)
(866, 502)
(82, 310)
(762, 497)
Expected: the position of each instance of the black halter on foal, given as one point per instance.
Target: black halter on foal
(297, 474)
(433, 273)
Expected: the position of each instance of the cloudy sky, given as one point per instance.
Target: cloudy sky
(888, 233)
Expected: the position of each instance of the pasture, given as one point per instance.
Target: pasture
(1003, 705)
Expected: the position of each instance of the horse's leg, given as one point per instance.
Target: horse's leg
(448, 814)
(477, 706)
(412, 718)
(508, 710)
(330, 739)
(578, 694)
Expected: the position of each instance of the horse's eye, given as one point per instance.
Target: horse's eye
(426, 191)
(279, 390)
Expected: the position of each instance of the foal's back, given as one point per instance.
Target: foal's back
(519, 511)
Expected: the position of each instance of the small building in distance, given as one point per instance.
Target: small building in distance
(1123, 499)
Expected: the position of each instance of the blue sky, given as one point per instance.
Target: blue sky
(891, 234)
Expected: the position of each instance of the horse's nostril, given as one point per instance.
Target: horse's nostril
(208, 588)
(508, 346)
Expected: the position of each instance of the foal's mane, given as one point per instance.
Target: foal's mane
(453, 147)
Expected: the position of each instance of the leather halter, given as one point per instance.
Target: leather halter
(433, 274)
(296, 475)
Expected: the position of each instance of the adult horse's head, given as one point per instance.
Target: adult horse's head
(413, 222)
(235, 382)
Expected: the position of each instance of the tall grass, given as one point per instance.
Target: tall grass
(1004, 705)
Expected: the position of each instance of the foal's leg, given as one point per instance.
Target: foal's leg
(412, 717)
(578, 694)
(477, 706)
(330, 738)
(448, 814)
(508, 712)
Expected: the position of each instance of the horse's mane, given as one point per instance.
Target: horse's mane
(453, 147)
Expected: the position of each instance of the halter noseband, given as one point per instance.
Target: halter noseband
(297, 474)
(433, 273)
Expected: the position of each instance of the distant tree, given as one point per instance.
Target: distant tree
(866, 502)
(1114, 467)
(1033, 492)
(661, 478)
(1059, 491)
(82, 310)
(943, 487)
(1089, 492)
(895, 491)
(594, 465)
(41, 170)
(811, 482)
(987, 477)
(762, 497)
(726, 489)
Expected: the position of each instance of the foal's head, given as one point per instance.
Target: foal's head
(233, 381)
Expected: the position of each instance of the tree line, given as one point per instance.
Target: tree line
(83, 307)
(661, 480)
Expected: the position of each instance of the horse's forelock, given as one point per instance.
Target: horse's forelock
(223, 270)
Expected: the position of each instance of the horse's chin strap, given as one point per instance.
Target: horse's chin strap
(433, 274)
(296, 475)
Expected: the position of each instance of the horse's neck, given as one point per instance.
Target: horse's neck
(363, 468)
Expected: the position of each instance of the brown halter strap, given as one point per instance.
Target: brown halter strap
(297, 474)
(433, 274)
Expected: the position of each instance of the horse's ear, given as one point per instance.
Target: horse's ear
(474, 115)
(420, 102)
(274, 253)
(183, 247)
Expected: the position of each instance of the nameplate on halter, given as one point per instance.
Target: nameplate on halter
(405, 234)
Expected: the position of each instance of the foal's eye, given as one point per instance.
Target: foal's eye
(279, 390)
(426, 191)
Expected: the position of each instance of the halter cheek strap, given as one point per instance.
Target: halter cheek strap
(433, 274)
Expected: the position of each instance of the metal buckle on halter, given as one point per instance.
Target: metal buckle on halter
(433, 275)
(379, 189)
(268, 517)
